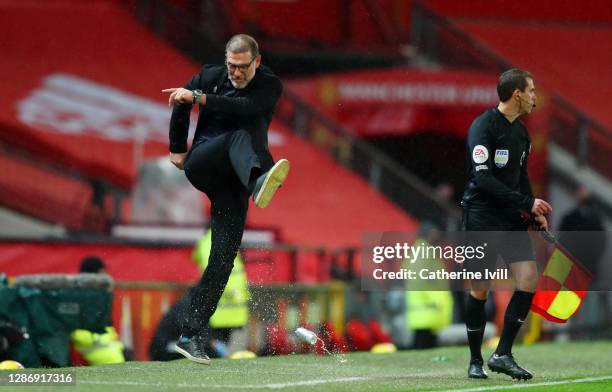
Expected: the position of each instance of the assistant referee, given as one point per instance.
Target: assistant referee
(497, 190)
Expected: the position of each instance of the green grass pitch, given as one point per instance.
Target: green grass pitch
(558, 367)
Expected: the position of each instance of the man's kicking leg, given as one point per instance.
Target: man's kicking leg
(252, 171)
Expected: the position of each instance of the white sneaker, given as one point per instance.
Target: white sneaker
(268, 183)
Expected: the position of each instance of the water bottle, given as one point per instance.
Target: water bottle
(306, 335)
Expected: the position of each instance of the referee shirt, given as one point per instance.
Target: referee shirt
(497, 154)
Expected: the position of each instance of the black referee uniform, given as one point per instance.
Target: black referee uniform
(497, 190)
(498, 186)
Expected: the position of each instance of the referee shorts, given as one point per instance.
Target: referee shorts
(504, 233)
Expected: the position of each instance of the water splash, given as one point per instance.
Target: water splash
(341, 358)
(312, 339)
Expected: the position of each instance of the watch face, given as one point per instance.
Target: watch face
(197, 94)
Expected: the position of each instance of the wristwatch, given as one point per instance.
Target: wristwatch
(197, 96)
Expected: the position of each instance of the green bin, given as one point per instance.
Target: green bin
(50, 307)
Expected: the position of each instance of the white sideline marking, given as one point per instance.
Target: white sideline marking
(532, 385)
(228, 386)
(337, 380)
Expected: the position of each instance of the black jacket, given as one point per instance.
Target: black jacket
(250, 108)
(497, 154)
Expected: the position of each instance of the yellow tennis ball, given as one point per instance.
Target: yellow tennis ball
(383, 348)
(243, 355)
(6, 365)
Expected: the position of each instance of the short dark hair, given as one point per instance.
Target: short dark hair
(241, 43)
(510, 80)
(92, 264)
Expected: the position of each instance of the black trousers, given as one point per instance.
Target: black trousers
(212, 168)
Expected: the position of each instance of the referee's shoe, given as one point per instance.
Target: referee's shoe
(268, 183)
(475, 369)
(507, 365)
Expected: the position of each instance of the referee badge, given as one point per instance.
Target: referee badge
(501, 158)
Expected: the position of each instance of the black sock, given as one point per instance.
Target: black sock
(517, 311)
(255, 173)
(188, 333)
(475, 322)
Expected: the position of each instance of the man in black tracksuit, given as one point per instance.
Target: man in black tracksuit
(497, 190)
(229, 160)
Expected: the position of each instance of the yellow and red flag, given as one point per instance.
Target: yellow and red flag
(562, 287)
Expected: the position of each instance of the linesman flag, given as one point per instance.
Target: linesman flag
(562, 286)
